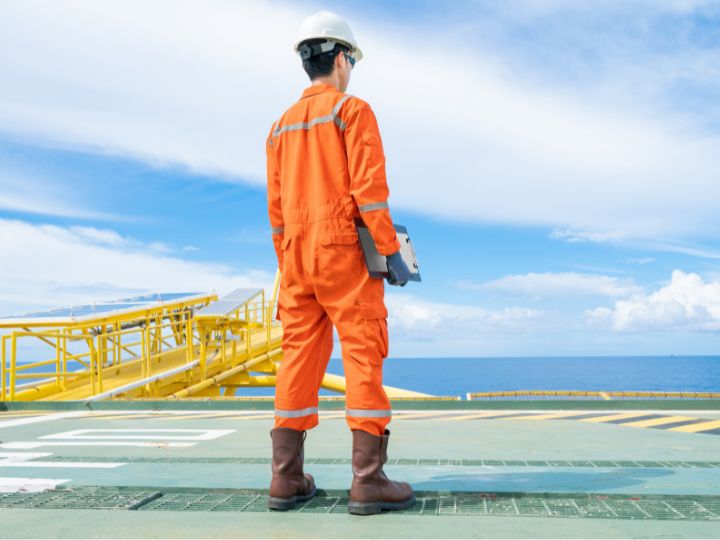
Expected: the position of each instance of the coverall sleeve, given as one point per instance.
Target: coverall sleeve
(368, 183)
(273, 194)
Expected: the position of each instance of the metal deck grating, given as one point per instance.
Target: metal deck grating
(568, 505)
(403, 462)
(98, 498)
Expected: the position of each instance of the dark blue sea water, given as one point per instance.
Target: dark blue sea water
(457, 376)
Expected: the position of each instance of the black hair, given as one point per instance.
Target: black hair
(322, 64)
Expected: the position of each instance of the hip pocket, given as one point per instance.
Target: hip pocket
(340, 254)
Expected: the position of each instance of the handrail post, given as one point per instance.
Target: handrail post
(63, 379)
(189, 338)
(13, 352)
(93, 363)
(2, 369)
(223, 335)
(144, 348)
(57, 361)
(101, 356)
(203, 350)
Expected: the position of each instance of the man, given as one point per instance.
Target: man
(325, 168)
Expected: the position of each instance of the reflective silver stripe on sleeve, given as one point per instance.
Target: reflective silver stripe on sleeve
(332, 117)
(278, 230)
(369, 413)
(373, 206)
(339, 104)
(295, 413)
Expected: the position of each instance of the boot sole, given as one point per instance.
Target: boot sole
(276, 503)
(370, 508)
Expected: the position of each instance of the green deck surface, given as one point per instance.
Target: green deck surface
(474, 477)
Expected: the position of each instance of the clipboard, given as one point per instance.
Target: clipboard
(376, 263)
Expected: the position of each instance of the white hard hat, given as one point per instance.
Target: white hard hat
(330, 26)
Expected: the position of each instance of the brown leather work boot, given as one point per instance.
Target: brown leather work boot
(289, 485)
(372, 491)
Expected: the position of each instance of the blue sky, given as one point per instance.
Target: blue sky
(556, 162)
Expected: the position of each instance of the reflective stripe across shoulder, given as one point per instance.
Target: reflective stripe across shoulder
(332, 117)
(278, 230)
(373, 206)
(369, 413)
(296, 413)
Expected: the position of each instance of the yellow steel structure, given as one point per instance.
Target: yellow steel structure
(161, 351)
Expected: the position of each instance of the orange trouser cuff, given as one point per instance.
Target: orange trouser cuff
(302, 423)
(373, 425)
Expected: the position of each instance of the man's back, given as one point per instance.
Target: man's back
(326, 166)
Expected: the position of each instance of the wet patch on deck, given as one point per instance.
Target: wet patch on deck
(564, 505)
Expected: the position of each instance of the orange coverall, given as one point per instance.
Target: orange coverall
(326, 167)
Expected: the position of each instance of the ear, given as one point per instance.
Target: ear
(339, 59)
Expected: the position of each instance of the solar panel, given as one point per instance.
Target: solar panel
(228, 303)
(73, 313)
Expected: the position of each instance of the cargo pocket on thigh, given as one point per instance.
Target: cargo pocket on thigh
(374, 319)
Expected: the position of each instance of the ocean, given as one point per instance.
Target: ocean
(458, 376)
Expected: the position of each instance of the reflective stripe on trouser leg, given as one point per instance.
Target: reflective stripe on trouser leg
(371, 420)
(369, 413)
(300, 419)
(296, 413)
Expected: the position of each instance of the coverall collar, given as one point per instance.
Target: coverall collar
(318, 89)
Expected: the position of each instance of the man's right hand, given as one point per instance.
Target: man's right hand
(399, 271)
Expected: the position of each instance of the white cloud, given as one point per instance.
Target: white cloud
(198, 84)
(686, 303)
(436, 320)
(49, 266)
(558, 284)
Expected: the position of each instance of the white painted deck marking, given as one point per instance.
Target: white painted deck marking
(25, 445)
(13, 485)
(190, 434)
(21, 459)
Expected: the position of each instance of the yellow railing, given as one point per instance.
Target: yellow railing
(143, 337)
(145, 345)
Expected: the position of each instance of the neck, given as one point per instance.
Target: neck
(332, 80)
